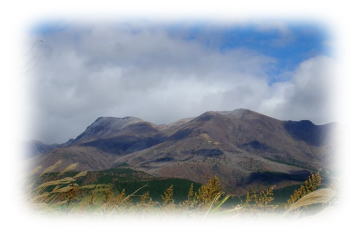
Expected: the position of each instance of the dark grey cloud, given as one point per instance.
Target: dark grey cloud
(85, 72)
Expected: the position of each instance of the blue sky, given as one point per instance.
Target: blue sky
(288, 43)
(162, 72)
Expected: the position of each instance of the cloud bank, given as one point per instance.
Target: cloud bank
(81, 73)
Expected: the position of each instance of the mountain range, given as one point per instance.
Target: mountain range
(243, 148)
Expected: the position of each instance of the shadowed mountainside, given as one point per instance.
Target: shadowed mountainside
(243, 148)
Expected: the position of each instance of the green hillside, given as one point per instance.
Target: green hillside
(129, 180)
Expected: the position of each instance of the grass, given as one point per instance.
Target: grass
(69, 168)
(315, 198)
(52, 167)
(123, 189)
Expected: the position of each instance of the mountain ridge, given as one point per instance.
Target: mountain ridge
(239, 146)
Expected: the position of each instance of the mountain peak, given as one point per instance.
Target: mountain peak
(104, 126)
(237, 113)
(113, 119)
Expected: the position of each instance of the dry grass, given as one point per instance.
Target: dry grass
(168, 195)
(80, 174)
(310, 185)
(66, 180)
(209, 192)
(65, 193)
(260, 200)
(52, 167)
(320, 196)
(70, 167)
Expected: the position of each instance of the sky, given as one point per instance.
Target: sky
(162, 72)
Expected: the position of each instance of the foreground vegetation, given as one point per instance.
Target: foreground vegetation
(126, 190)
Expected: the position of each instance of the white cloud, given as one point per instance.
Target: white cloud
(84, 73)
(307, 95)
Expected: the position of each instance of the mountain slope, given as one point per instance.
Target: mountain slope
(244, 148)
(85, 158)
(241, 147)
